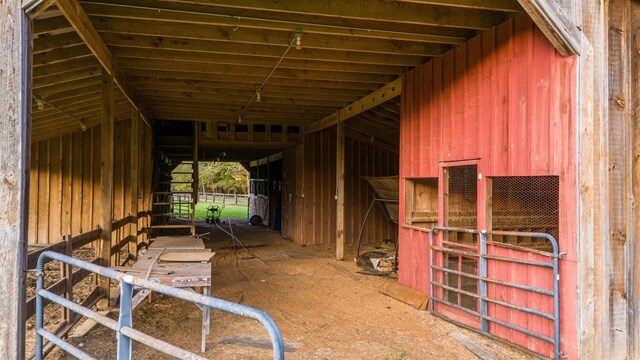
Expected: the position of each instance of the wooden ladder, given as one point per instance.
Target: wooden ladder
(169, 202)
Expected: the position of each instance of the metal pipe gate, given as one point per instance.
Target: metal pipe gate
(482, 278)
(123, 327)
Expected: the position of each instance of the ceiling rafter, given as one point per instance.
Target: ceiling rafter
(162, 12)
(261, 50)
(79, 20)
(201, 60)
(329, 12)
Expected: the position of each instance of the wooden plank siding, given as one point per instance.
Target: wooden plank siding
(507, 99)
(309, 175)
(65, 183)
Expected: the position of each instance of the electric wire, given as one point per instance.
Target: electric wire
(259, 89)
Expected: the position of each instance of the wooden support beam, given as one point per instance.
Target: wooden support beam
(374, 99)
(106, 182)
(373, 10)
(85, 29)
(222, 48)
(340, 148)
(194, 186)
(556, 26)
(15, 107)
(38, 7)
(135, 171)
(634, 247)
(250, 71)
(267, 37)
(162, 12)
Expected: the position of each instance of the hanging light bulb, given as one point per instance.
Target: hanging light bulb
(298, 42)
(239, 118)
(258, 95)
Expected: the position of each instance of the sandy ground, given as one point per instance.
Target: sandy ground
(322, 313)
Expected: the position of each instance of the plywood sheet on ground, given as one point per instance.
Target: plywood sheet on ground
(177, 242)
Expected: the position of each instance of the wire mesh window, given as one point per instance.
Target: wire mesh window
(422, 202)
(525, 204)
(462, 196)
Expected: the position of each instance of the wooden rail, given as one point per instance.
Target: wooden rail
(226, 199)
(64, 286)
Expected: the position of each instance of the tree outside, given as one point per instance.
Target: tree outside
(218, 177)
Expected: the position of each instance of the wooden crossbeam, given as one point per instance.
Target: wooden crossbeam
(256, 60)
(166, 12)
(268, 37)
(554, 23)
(38, 7)
(374, 99)
(250, 71)
(371, 10)
(263, 50)
(85, 29)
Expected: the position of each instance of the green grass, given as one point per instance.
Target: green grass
(229, 211)
(401, 355)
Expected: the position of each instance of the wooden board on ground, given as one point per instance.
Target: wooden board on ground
(86, 326)
(177, 242)
(343, 270)
(476, 349)
(190, 256)
(140, 271)
(406, 295)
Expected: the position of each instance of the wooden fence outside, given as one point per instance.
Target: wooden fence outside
(226, 199)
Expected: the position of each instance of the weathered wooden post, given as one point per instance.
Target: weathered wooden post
(106, 184)
(66, 272)
(135, 169)
(15, 128)
(340, 192)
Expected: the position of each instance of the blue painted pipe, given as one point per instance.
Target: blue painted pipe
(483, 279)
(219, 304)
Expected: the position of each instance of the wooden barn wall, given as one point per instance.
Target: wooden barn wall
(506, 98)
(309, 175)
(65, 183)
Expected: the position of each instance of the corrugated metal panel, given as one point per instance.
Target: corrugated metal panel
(506, 98)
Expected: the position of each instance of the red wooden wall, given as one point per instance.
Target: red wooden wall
(507, 98)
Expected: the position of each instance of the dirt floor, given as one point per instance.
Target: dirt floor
(322, 312)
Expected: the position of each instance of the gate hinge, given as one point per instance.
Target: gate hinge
(34, 272)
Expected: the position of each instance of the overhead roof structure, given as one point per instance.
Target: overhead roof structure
(203, 60)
